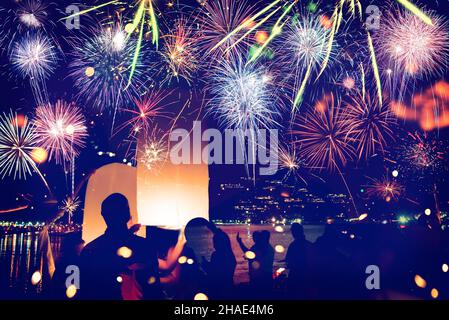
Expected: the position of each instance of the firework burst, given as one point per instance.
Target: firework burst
(69, 206)
(147, 108)
(384, 188)
(100, 68)
(423, 152)
(32, 13)
(61, 130)
(323, 135)
(302, 49)
(293, 164)
(409, 46)
(219, 18)
(154, 152)
(34, 58)
(17, 143)
(243, 96)
(369, 124)
(180, 51)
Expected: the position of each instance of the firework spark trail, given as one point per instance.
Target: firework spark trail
(244, 24)
(277, 29)
(17, 143)
(330, 42)
(251, 30)
(416, 11)
(61, 130)
(218, 19)
(89, 10)
(375, 68)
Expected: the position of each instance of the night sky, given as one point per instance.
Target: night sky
(418, 182)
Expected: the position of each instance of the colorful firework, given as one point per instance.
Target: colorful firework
(100, 68)
(384, 188)
(69, 206)
(243, 96)
(303, 45)
(180, 52)
(291, 161)
(34, 57)
(423, 152)
(219, 18)
(147, 108)
(323, 135)
(369, 124)
(409, 46)
(154, 152)
(61, 130)
(32, 13)
(17, 142)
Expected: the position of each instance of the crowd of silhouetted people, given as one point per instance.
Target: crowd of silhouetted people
(167, 264)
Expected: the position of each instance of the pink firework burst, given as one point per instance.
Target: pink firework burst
(61, 130)
(145, 109)
(408, 45)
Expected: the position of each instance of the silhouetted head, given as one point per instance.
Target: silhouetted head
(265, 237)
(197, 228)
(297, 231)
(256, 236)
(115, 211)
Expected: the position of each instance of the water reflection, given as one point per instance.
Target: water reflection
(19, 258)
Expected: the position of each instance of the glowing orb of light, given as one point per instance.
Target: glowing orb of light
(182, 260)
(39, 155)
(427, 212)
(36, 278)
(420, 282)
(279, 248)
(119, 279)
(395, 173)
(279, 229)
(445, 267)
(434, 293)
(20, 121)
(363, 216)
(124, 252)
(261, 36)
(349, 83)
(151, 280)
(190, 261)
(90, 71)
(71, 291)
(250, 255)
(200, 296)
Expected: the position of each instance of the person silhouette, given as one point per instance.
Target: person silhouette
(297, 262)
(261, 266)
(221, 267)
(119, 265)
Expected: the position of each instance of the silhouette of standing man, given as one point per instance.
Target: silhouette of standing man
(119, 265)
